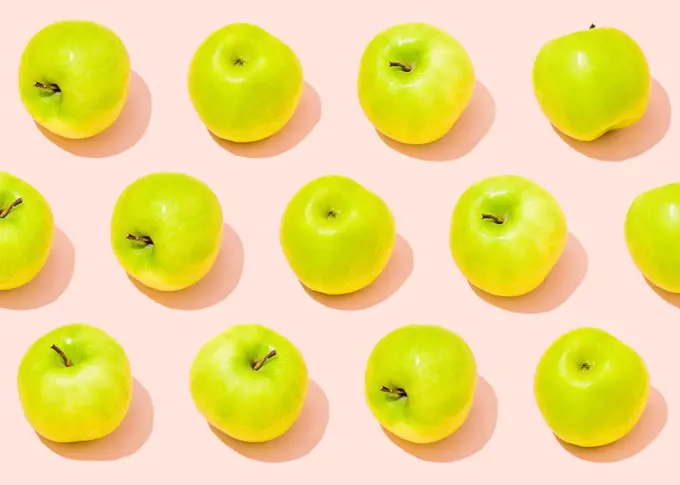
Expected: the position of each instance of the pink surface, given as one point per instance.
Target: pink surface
(164, 439)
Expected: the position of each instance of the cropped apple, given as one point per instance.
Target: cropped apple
(590, 387)
(337, 235)
(507, 233)
(26, 231)
(651, 228)
(414, 82)
(74, 78)
(593, 81)
(249, 382)
(245, 83)
(166, 230)
(75, 384)
(420, 382)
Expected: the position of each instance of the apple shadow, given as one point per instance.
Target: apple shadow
(560, 284)
(50, 283)
(126, 440)
(472, 436)
(298, 441)
(671, 298)
(650, 426)
(395, 274)
(304, 120)
(215, 286)
(122, 135)
(471, 127)
(630, 142)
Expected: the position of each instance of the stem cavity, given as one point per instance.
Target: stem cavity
(146, 240)
(404, 67)
(64, 358)
(395, 392)
(257, 365)
(9, 208)
(47, 87)
(496, 219)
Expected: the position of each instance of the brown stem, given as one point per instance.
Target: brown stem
(397, 391)
(496, 219)
(67, 361)
(49, 86)
(257, 365)
(7, 209)
(592, 26)
(142, 239)
(405, 67)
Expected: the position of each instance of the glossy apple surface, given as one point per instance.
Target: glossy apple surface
(593, 81)
(74, 78)
(75, 384)
(414, 82)
(420, 382)
(249, 382)
(26, 231)
(245, 83)
(590, 387)
(507, 233)
(337, 235)
(166, 230)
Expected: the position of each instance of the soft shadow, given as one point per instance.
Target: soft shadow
(392, 278)
(50, 283)
(122, 135)
(124, 441)
(306, 117)
(217, 285)
(471, 127)
(636, 139)
(560, 284)
(469, 439)
(300, 439)
(672, 298)
(651, 424)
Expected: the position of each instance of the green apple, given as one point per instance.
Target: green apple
(74, 78)
(249, 382)
(420, 382)
(26, 231)
(414, 82)
(166, 230)
(652, 228)
(590, 82)
(507, 234)
(75, 384)
(245, 83)
(337, 235)
(590, 387)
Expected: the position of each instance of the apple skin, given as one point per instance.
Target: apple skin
(245, 83)
(435, 368)
(590, 387)
(512, 258)
(183, 218)
(90, 65)
(26, 232)
(651, 228)
(337, 235)
(247, 404)
(590, 82)
(82, 402)
(421, 105)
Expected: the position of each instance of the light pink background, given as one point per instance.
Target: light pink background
(164, 439)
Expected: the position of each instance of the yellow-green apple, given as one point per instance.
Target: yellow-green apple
(337, 235)
(590, 387)
(74, 78)
(166, 230)
(414, 82)
(420, 382)
(507, 233)
(26, 231)
(249, 382)
(245, 83)
(590, 82)
(75, 384)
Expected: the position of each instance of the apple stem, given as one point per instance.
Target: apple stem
(496, 219)
(8, 209)
(257, 365)
(67, 361)
(142, 239)
(592, 26)
(50, 86)
(405, 67)
(397, 392)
